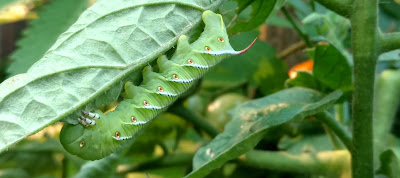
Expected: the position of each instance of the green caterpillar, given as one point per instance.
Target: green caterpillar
(99, 134)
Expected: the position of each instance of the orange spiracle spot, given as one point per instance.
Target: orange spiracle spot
(82, 143)
(133, 119)
(207, 48)
(117, 135)
(190, 61)
(220, 40)
(145, 102)
(175, 77)
(306, 66)
(160, 89)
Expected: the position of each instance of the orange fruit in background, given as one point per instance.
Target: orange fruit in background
(306, 66)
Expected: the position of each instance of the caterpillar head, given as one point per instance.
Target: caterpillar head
(214, 36)
(214, 39)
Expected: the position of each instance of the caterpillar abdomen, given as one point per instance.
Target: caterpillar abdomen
(99, 134)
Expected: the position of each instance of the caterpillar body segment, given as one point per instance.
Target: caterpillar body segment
(99, 134)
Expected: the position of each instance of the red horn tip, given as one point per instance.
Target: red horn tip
(247, 48)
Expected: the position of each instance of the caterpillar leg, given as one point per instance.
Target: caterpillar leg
(86, 121)
(91, 115)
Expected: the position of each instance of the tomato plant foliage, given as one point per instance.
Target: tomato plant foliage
(243, 115)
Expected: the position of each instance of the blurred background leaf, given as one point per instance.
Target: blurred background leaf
(259, 13)
(55, 18)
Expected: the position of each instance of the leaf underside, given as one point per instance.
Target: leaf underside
(110, 41)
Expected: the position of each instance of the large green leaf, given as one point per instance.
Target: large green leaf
(111, 40)
(251, 121)
(54, 19)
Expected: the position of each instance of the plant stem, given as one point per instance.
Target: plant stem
(330, 163)
(296, 27)
(291, 49)
(339, 112)
(195, 119)
(336, 127)
(341, 7)
(365, 50)
(389, 41)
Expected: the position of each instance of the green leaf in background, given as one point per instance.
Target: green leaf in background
(261, 10)
(270, 74)
(251, 120)
(389, 15)
(36, 158)
(217, 114)
(303, 79)
(14, 172)
(331, 67)
(99, 168)
(306, 143)
(391, 8)
(4, 3)
(54, 18)
(110, 41)
(278, 21)
(390, 56)
(329, 25)
(390, 165)
(243, 4)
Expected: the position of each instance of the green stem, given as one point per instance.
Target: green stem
(195, 119)
(365, 51)
(339, 112)
(336, 142)
(341, 7)
(296, 27)
(336, 127)
(330, 163)
(389, 41)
